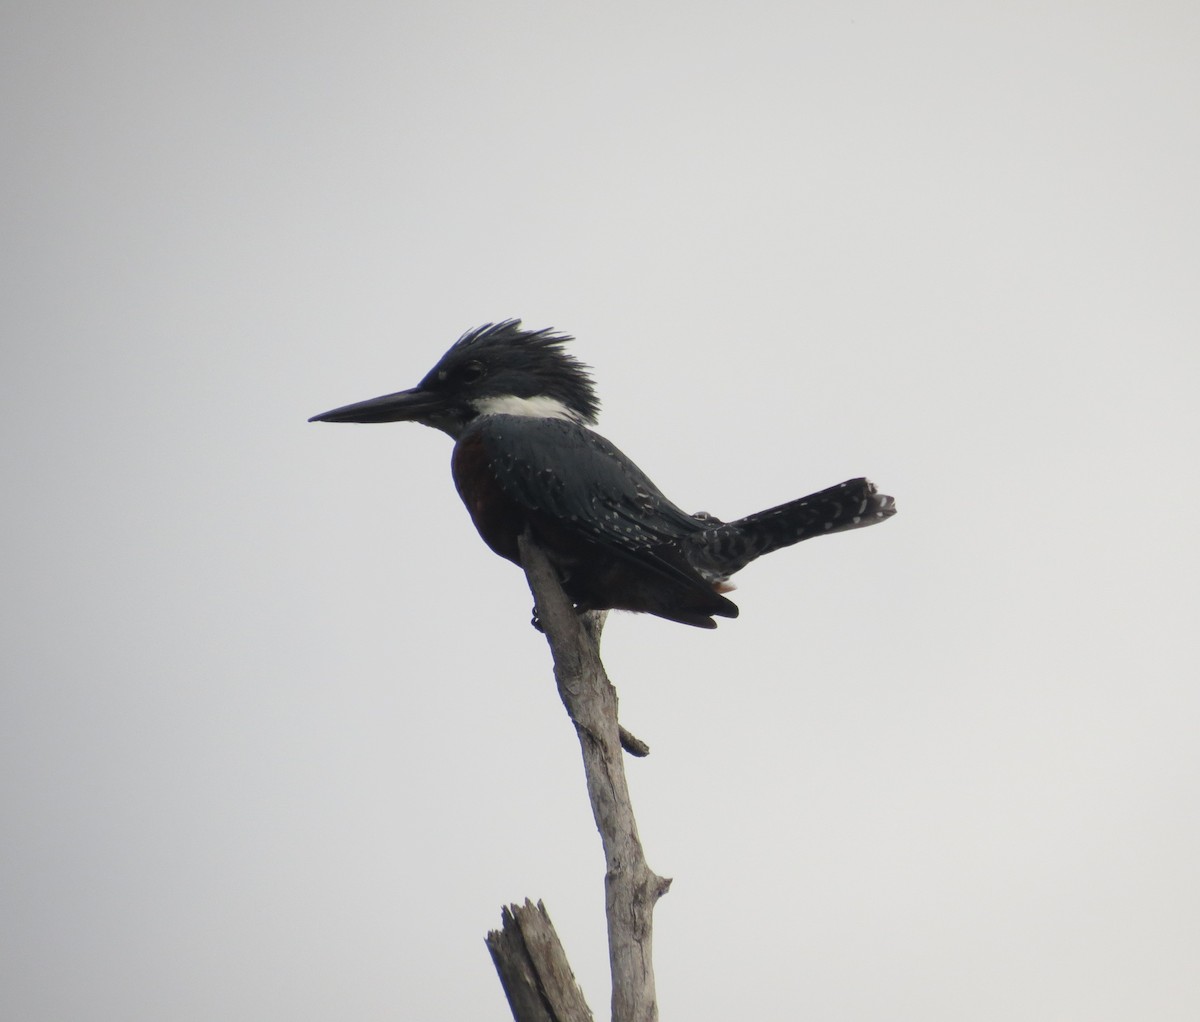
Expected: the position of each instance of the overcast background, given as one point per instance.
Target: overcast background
(276, 738)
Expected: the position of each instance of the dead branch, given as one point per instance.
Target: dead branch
(533, 967)
(631, 888)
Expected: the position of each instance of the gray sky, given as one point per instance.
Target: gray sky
(276, 739)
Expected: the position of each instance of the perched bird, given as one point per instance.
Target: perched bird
(519, 408)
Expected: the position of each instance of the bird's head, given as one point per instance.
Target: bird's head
(497, 369)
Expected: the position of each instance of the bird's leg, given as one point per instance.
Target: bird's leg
(563, 577)
(537, 621)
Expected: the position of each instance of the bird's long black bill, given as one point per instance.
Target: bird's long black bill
(401, 407)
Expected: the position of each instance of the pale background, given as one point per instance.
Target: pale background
(276, 739)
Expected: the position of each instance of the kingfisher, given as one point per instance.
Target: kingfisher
(520, 408)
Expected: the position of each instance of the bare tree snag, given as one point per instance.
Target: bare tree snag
(631, 888)
(533, 967)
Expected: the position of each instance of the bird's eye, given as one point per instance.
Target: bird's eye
(472, 371)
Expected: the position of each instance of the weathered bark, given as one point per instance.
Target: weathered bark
(632, 744)
(631, 888)
(533, 967)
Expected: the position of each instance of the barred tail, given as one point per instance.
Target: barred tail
(720, 551)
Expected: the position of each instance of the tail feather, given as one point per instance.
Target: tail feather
(725, 548)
